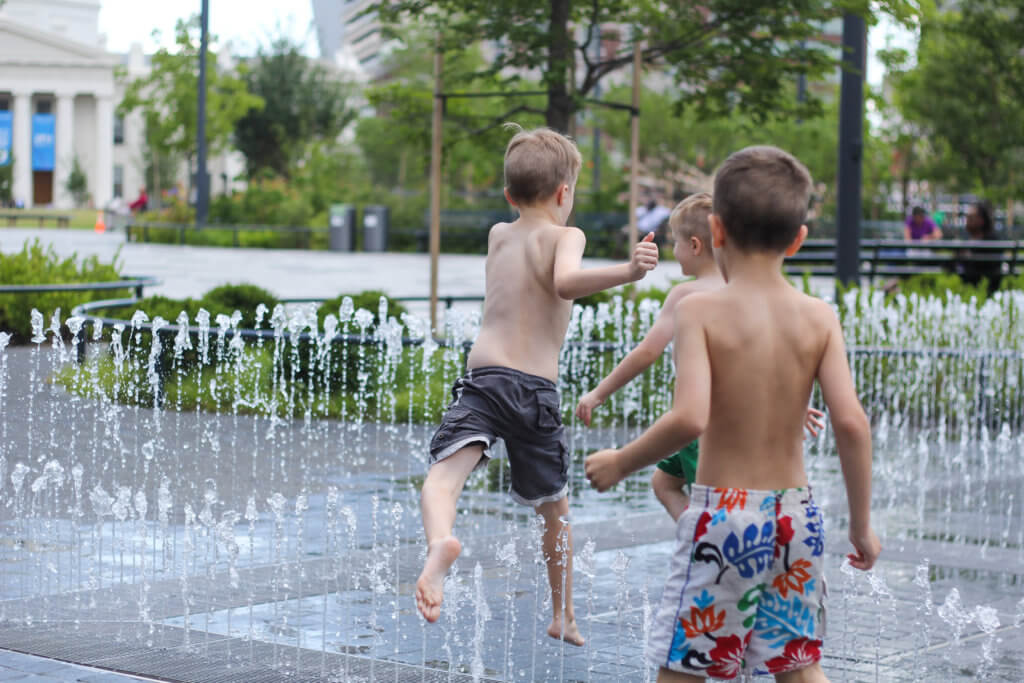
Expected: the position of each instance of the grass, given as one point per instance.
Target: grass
(81, 219)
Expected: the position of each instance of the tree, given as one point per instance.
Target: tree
(722, 55)
(964, 98)
(7, 182)
(77, 183)
(303, 102)
(168, 98)
(396, 142)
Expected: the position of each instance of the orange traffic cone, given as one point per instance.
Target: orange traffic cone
(101, 227)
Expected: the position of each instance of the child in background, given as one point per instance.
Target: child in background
(746, 592)
(691, 232)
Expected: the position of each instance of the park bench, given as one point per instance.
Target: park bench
(886, 259)
(12, 217)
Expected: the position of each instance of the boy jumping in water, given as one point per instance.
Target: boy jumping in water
(745, 592)
(533, 273)
(691, 233)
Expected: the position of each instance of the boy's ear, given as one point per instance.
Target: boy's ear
(508, 197)
(696, 245)
(562, 195)
(794, 246)
(717, 231)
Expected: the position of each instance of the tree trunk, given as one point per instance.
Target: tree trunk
(560, 103)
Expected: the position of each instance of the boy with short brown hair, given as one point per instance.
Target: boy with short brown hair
(533, 273)
(691, 233)
(745, 591)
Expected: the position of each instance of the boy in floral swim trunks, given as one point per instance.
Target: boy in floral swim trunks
(691, 234)
(745, 592)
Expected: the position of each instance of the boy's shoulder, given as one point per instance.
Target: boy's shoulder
(519, 226)
(692, 286)
(690, 303)
(817, 308)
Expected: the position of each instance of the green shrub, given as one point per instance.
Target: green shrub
(36, 265)
(940, 285)
(242, 297)
(368, 299)
(1012, 282)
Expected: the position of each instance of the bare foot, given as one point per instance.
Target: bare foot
(572, 633)
(441, 555)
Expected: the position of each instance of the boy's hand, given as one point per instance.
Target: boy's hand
(603, 470)
(813, 423)
(867, 546)
(645, 256)
(586, 406)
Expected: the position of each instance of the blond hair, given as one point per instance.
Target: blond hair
(690, 219)
(537, 163)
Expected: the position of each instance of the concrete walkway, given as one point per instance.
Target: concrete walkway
(187, 271)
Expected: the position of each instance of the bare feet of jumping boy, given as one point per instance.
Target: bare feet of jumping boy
(441, 555)
(572, 632)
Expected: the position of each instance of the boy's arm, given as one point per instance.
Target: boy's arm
(573, 282)
(853, 440)
(637, 360)
(683, 423)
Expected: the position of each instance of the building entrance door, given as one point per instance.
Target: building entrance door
(42, 187)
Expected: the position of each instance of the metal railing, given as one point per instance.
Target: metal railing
(134, 283)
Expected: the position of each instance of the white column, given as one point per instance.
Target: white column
(64, 150)
(102, 181)
(22, 123)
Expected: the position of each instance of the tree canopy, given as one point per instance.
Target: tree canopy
(169, 102)
(964, 97)
(721, 55)
(302, 102)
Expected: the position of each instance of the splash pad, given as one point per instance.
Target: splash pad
(274, 533)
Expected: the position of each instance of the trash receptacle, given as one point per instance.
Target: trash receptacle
(342, 231)
(376, 221)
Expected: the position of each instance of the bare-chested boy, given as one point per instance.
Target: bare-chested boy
(533, 273)
(691, 235)
(745, 591)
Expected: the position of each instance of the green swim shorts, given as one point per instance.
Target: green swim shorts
(683, 464)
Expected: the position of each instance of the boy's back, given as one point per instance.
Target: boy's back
(745, 591)
(524, 319)
(533, 274)
(765, 343)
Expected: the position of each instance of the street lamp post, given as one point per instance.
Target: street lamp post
(202, 180)
(851, 144)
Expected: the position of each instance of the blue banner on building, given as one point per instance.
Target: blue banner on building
(43, 126)
(5, 138)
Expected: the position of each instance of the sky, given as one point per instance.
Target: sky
(246, 23)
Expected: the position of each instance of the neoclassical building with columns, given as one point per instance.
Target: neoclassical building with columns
(58, 104)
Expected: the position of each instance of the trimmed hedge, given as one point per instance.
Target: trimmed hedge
(39, 265)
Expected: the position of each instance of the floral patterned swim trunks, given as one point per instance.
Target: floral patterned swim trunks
(746, 590)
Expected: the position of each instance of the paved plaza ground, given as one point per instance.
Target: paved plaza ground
(889, 630)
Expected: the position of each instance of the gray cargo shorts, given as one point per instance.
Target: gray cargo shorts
(495, 402)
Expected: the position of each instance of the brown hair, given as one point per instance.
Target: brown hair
(690, 218)
(537, 163)
(761, 196)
